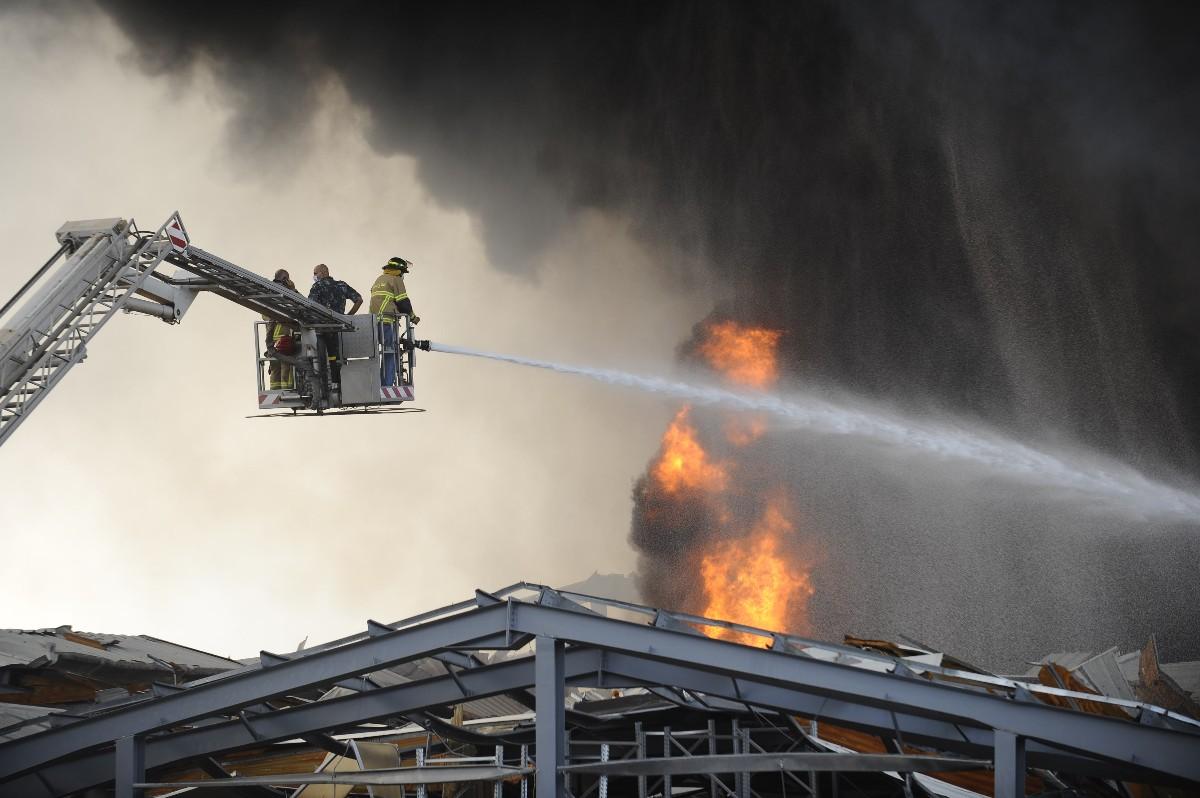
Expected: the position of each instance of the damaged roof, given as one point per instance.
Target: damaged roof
(40, 647)
(632, 677)
(60, 666)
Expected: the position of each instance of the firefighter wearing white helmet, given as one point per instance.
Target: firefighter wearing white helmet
(389, 300)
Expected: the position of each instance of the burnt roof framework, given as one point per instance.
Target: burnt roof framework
(546, 641)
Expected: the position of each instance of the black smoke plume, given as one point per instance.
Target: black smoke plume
(983, 208)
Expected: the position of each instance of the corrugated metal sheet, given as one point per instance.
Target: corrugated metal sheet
(495, 707)
(18, 720)
(1128, 664)
(1103, 672)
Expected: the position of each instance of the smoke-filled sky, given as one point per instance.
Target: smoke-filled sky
(983, 210)
(139, 499)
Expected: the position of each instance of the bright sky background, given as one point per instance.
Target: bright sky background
(139, 499)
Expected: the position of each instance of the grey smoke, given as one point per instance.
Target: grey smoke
(986, 209)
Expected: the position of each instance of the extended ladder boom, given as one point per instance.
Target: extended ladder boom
(253, 291)
(49, 333)
(110, 266)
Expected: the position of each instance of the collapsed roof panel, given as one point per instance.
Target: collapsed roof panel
(41, 646)
(18, 720)
(54, 667)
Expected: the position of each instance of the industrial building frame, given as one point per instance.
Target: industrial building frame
(556, 641)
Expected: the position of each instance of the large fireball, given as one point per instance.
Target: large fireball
(683, 463)
(737, 534)
(744, 355)
(752, 582)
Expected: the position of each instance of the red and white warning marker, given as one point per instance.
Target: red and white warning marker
(396, 393)
(174, 231)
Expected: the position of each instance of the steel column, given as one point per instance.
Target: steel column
(130, 766)
(712, 751)
(498, 787)
(667, 755)
(603, 792)
(525, 768)
(639, 739)
(1010, 765)
(549, 692)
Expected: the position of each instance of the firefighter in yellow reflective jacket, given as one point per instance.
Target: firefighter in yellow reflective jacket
(389, 301)
(282, 375)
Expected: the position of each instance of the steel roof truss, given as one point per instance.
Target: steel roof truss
(1168, 752)
(570, 641)
(228, 695)
(96, 768)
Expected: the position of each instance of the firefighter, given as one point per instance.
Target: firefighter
(389, 300)
(279, 339)
(333, 294)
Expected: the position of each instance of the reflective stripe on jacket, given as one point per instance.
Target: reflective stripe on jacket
(386, 294)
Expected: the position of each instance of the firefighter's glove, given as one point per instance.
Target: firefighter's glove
(415, 319)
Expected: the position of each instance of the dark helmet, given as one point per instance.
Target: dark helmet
(283, 278)
(400, 264)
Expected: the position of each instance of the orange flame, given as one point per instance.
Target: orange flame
(684, 463)
(748, 576)
(744, 355)
(749, 581)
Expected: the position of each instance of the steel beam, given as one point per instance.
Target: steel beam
(430, 774)
(227, 695)
(776, 763)
(1168, 752)
(549, 692)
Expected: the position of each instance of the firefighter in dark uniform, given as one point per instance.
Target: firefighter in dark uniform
(333, 294)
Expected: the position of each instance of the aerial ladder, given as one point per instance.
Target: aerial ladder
(106, 266)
